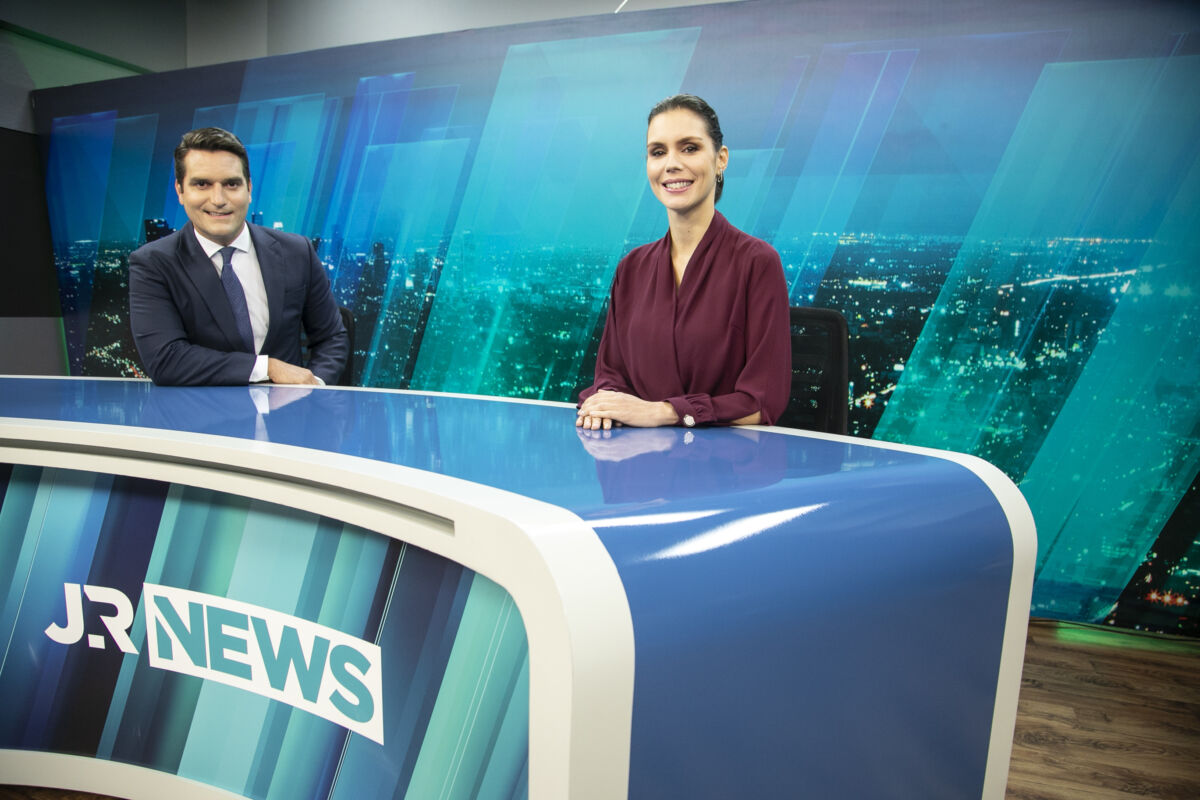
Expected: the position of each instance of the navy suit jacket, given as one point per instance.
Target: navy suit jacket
(183, 324)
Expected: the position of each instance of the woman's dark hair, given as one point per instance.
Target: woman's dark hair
(210, 139)
(700, 108)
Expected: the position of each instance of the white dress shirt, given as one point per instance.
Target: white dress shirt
(248, 271)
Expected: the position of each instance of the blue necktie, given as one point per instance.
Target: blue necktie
(237, 299)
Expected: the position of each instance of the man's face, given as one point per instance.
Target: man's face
(214, 193)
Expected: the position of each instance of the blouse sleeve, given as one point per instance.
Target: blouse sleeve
(763, 382)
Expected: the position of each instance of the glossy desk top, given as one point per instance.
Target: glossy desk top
(529, 448)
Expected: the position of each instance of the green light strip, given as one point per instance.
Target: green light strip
(1103, 636)
(61, 45)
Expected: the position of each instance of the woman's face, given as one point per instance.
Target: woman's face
(682, 163)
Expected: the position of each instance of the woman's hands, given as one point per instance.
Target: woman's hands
(606, 408)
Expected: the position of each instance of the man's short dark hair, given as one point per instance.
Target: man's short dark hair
(210, 139)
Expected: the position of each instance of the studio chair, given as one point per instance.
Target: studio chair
(820, 395)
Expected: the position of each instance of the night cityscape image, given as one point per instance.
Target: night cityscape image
(1008, 219)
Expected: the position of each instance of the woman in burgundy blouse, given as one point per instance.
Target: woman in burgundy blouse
(697, 330)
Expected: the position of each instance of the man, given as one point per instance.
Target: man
(193, 323)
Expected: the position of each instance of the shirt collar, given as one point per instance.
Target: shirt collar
(242, 242)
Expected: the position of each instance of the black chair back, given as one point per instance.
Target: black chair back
(820, 397)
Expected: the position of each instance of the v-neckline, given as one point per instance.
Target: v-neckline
(677, 279)
(688, 267)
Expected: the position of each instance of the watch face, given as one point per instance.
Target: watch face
(689, 420)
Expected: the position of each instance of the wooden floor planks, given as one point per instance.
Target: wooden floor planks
(1104, 714)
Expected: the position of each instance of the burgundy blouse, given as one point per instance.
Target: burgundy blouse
(719, 348)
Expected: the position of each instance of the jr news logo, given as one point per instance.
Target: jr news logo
(289, 659)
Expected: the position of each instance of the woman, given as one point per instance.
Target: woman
(697, 329)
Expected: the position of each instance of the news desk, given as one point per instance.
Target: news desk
(347, 593)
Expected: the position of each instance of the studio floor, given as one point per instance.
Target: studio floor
(1104, 714)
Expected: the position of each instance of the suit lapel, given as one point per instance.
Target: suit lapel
(270, 264)
(200, 271)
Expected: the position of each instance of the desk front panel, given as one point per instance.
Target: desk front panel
(242, 645)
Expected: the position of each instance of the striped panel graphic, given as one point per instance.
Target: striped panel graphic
(455, 683)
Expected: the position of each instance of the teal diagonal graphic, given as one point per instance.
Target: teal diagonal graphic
(1063, 342)
(408, 199)
(552, 193)
(866, 89)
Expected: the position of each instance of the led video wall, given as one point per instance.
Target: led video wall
(1002, 198)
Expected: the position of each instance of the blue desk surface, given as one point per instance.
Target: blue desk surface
(831, 610)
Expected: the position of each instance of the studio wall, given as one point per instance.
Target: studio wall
(1003, 198)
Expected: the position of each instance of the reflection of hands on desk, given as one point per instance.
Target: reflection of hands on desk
(618, 445)
(635, 465)
(220, 410)
(280, 396)
(283, 414)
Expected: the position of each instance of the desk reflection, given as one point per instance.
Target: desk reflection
(302, 416)
(640, 464)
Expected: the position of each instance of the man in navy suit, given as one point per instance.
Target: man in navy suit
(196, 324)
